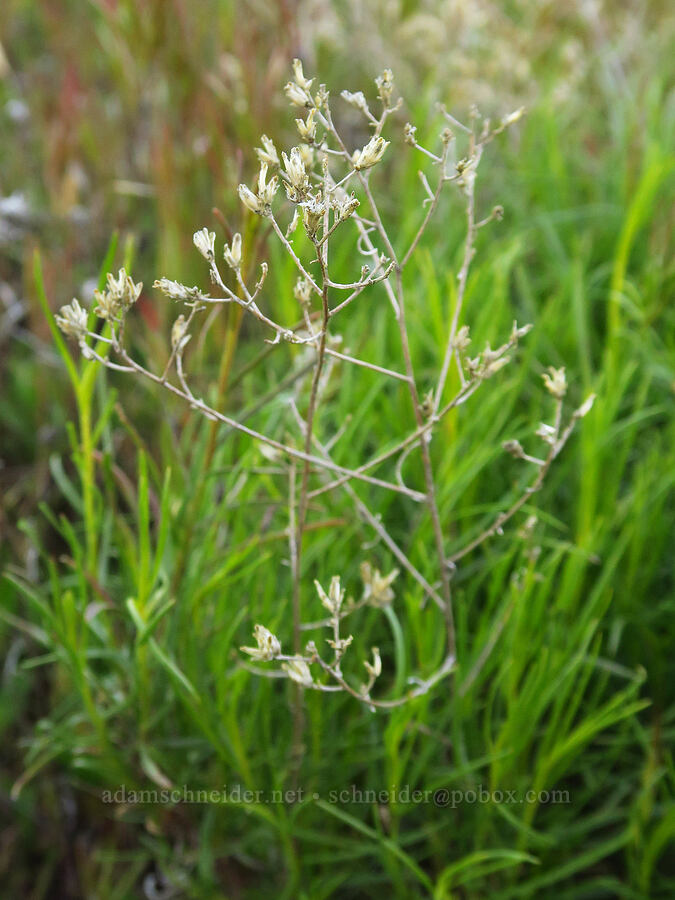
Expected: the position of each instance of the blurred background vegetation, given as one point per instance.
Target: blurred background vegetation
(138, 117)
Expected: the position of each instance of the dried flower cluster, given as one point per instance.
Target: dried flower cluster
(328, 191)
(377, 591)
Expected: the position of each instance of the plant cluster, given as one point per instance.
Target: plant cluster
(324, 189)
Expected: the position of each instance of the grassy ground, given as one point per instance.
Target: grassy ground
(136, 114)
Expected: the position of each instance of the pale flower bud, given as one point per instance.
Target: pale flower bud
(297, 95)
(377, 588)
(178, 291)
(126, 291)
(232, 255)
(314, 210)
(321, 97)
(266, 191)
(514, 448)
(107, 305)
(179, 338)
(546, 433)
(333, 600)
(494, 365)
(466, 171)
(446, 136)
(371, 154)
(249, 199)
(72, 320)
(298, 670)
(302, 291)
(119, 294)
(462, 339)
(347, 207)
(268, 645)
(341, 644)
(299, 75)
(585, 407)
(295, 170)
(307, 127)
(555, 382)
(293, 224)
(307, 155)
(205, 241)
(374, 670)
(519, 332)
(385, 87)
(356, 100)
(269, 153)
(513, 117)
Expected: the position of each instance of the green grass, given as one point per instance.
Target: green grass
(159, 549)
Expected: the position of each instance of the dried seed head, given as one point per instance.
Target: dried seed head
(268, 644)
(72, 320)
(409, 133)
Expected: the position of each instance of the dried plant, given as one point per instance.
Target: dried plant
(328, 191)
